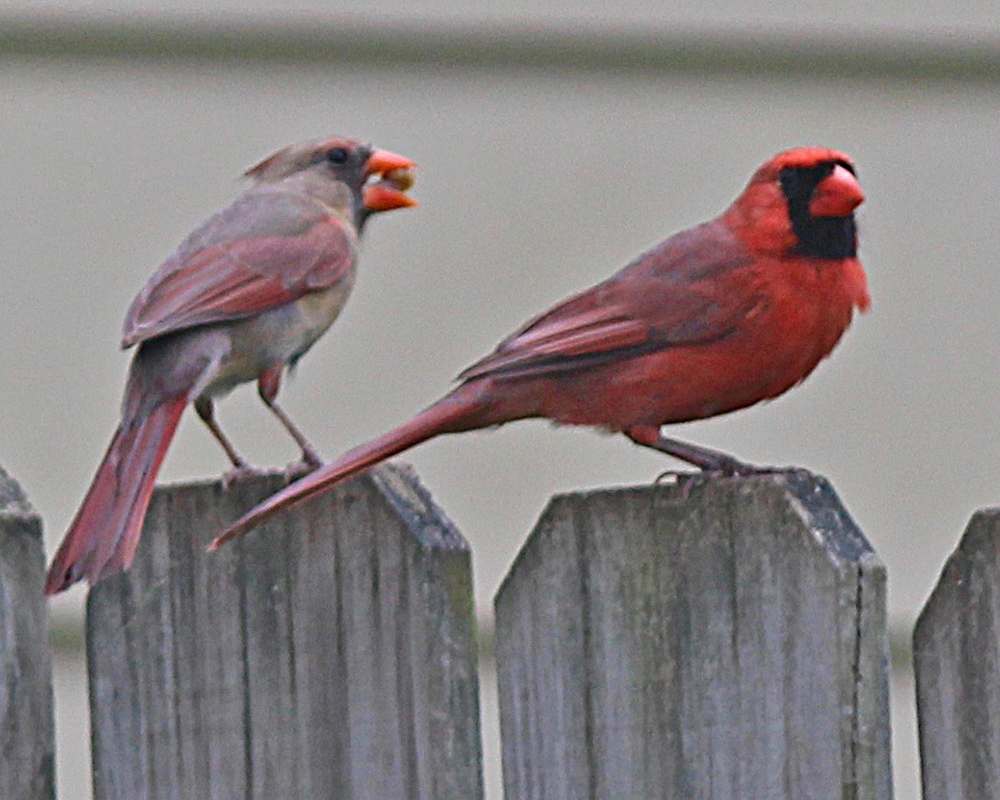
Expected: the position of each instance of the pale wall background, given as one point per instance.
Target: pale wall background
(536, 179)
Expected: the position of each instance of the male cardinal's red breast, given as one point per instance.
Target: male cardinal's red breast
(716, 318)
(241, 299)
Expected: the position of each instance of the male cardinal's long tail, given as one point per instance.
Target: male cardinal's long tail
(103, 536)
(457, 411)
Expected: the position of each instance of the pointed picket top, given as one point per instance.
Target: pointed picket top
(717, 637)
(956, 657)
(27, 748)
(330, 653)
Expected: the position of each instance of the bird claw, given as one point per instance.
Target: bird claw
(299, 469)
(724, 467)
(240, 472)
(729, 467)
(673, 476)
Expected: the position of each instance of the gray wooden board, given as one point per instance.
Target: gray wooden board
(26, 722)
(956, 656)
(329, 654)
(715, 638)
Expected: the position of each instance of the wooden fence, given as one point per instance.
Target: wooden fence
(710, 638)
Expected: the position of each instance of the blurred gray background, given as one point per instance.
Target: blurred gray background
(555, 141)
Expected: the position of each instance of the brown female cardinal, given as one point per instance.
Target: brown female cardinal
(241, 299)
(716, 318)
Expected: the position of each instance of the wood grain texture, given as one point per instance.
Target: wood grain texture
(27, 749)
(329, 654)
(956, 657)
(717, 638)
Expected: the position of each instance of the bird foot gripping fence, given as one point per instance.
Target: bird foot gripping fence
(713, 638)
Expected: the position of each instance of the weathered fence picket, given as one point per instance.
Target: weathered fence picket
(27, 749)
(712, 639)
(956, 657)
(331, 654)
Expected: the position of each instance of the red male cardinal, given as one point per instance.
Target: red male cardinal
(716, 318)
(241, 299)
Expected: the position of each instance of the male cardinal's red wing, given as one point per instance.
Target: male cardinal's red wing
(667, 297)
(267, 249)
(569, 330)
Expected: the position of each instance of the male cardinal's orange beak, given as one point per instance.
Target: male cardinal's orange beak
(837, 195)
(397, 177)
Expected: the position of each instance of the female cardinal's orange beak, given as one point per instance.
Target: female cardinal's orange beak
(383, 161)
(397, 177)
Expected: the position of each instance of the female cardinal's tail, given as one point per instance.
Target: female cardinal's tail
(102, 538)
(458, 411)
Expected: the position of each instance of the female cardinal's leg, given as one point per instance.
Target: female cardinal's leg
(268, 385)
(206, 411)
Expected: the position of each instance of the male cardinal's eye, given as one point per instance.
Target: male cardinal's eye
(336, 155)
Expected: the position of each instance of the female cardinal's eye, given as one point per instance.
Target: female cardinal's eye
(336, 155)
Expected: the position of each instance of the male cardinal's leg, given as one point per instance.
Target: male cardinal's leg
(704, 458)
(267, 386)
(241, 467)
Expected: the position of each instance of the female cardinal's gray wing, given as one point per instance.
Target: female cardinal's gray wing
(268, 248)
